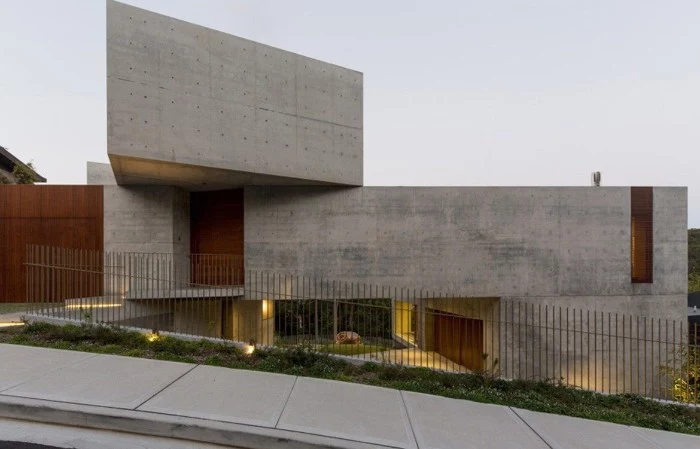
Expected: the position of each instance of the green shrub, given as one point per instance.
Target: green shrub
(24, 174)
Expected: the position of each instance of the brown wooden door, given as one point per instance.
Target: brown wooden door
(216, 237)
(459, 339)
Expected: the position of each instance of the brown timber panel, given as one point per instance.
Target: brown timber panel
(642, 234)
(459, 339)
(59, 216)
(216, 236)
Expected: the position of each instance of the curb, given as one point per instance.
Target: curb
(168, 426)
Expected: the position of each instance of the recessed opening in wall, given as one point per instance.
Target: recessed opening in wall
(642, 234)
(457, 337)
(216, 234)
(405, 322)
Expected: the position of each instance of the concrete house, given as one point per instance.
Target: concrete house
(221, 145)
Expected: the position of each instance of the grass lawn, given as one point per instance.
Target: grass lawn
(12, 307)
(362, 348)
(539, 396)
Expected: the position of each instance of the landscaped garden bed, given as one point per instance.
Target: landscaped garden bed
(538, 396)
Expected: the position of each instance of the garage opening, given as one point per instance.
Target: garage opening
(459, 339)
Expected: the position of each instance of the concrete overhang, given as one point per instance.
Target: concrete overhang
(193, 106)
(136, 171)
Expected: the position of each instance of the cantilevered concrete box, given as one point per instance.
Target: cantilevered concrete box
(202, 109)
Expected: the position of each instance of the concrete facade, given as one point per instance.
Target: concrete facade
(533, 243)
(152, 219)
(99, 173)
(192, 109)
(556, 256)
(195, 107)
(174, 88)
(146, 219)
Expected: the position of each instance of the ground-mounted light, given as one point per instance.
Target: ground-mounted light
(92, 306)
(11, 323)
(248, 349)
(152, 336)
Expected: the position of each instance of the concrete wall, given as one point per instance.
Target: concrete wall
(610, 344)
(529, 243)
(547, 253)
(188, 95)
(246, 323)
(100, 173)
(146, 219)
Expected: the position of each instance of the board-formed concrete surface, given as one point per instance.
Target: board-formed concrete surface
(147, 219)
(568, 246)
(222, 394)
(195, 107)
(99, 173)
(207, 405)
(108, 381)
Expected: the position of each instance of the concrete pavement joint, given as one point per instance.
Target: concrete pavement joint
(168, 385)
(169, 426)
(530, 427)
(257, 426)
(645, 437)
(80, 404)
(209, 418)
(286, 401)
(408, 418)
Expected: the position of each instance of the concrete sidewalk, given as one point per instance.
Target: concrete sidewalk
(250, 409)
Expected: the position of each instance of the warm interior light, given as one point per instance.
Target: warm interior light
(266, 309)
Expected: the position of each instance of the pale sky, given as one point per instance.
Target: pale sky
(538, 92)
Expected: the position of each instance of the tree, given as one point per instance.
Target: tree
(694, 260)
(694, 250)
(24, 173)
(693, 282)
(3, 179)
(683, 369)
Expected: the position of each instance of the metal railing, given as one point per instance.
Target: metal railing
(216, 269)
(211, 296)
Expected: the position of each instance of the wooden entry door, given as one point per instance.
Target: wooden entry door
(459, 339)
(216, 237)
